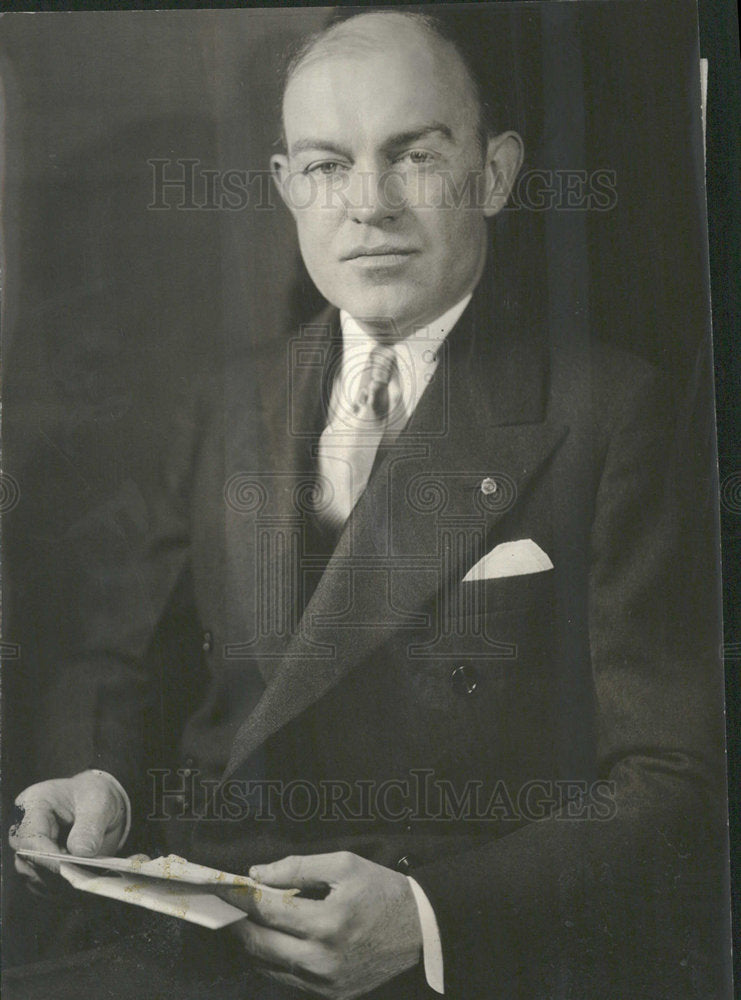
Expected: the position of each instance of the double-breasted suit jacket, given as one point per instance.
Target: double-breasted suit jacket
(540, 750)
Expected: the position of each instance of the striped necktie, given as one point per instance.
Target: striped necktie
(348, 446)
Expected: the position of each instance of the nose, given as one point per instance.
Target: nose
(374, 196)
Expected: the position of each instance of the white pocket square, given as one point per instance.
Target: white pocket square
(510, 559)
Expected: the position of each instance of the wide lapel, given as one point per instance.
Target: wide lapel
(271, 435)
(482, 417)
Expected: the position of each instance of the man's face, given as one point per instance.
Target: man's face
(381, 138)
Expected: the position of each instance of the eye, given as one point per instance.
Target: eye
(418, 157)
(327, 168)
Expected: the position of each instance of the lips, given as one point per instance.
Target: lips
(384, 250)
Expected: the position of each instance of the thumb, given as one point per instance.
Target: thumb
(86, 835)
(312, 871)
(92, 816)
(98, 813)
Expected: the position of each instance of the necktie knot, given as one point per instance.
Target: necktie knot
(381, 363)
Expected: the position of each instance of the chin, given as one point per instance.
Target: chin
(380, 304)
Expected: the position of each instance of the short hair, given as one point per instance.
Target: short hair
(432, 24)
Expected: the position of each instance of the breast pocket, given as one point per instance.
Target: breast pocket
(523, 593)
(503, 618)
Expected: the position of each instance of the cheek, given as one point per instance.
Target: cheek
(451, 235)
(314, 236)
(449, 191)
(317, 198)
(316, 242)
(426, 195)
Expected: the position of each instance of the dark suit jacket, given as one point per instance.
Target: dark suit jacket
(599, 677)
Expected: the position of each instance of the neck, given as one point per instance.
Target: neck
(393, 332)
(436, 328)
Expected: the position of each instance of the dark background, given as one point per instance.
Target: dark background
(112, 311)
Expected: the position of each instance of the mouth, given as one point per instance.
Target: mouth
(385, 255)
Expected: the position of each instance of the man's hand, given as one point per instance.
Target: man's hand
(89, 803)
(362, 933)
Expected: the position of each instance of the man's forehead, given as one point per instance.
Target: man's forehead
(383, 72)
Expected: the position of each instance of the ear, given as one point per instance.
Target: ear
(280, 173)
(504, 155)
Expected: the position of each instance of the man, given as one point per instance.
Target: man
(436, 558)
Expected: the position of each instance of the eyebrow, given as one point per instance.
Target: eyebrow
(393, 142)
(301, 145)
(414, 135)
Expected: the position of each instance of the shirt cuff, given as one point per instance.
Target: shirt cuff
(127, 804)
(432, 949)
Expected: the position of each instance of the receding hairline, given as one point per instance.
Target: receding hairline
(322, 43)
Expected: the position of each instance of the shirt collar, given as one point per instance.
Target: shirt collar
(416, 355)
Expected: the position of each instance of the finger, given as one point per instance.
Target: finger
(280, 910)
(37, 820)
(278, 950)
(309, 871)
(34, 837)
(34, 842)
(29, 873)
(38, 880)
(97, 810)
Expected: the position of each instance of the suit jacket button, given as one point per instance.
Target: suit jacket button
(464, 679)
(405, 864)
(207, 642)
